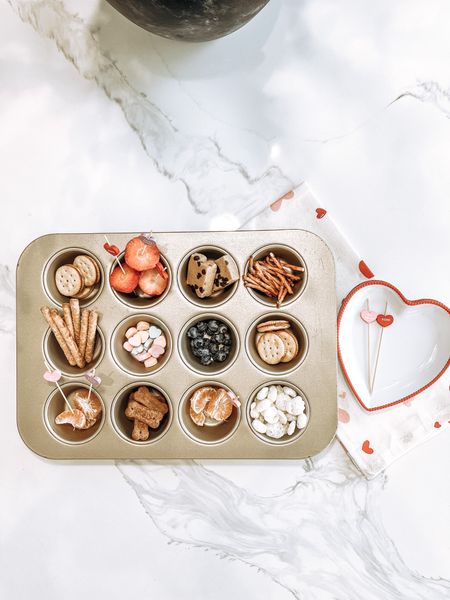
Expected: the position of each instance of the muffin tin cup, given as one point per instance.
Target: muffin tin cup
(192, 362)
(133, 301)
(293, 257)
(66, 257)
(124, 359)
(207, 434)
(178, 372)
(66, 434)
(55, 356)
(281, 368)
(286, 439)
(124, 426)
(213, 253)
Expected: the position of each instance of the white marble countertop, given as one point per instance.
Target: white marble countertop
(106, 127)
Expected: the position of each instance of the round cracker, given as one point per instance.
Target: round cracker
(271, 348)
(291, 343)
(69, 280)
(86, 293)
(86, 265)
(276, 325)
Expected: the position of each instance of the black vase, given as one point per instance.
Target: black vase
(189, 20)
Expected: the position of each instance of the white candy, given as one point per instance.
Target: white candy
(272, 396)
(277, 411)
(282, 417)
(295, 406)
(262, 394)
(271, 415)
(275, 430)
(263, 405)
(148, 343)
(302, 421)
(280, 402)
(289, 391)
(291, 428)
(258, 426)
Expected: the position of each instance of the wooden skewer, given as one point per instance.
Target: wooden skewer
(380, 339)
(369, 378)
(115, 257)
(59, 387)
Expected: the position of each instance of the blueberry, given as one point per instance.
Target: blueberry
(205, 352)
(206, 360)
(213, 326)
(220, 338)
(197, 343)
(227, 339)
(201, 326)
(223, 328)
(221, 356)
(192, 332)
(213, 347)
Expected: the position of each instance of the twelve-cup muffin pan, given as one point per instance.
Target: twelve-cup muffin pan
(311, 311)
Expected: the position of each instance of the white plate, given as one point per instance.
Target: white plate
(414, 351)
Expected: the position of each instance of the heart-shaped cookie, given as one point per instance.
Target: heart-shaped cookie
(415, 350)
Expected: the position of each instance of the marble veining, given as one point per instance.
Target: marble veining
(197, 162)
(321, 539)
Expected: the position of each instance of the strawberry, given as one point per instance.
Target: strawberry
(124, 282)
(141, 255)
(161, 270)
(151, 282)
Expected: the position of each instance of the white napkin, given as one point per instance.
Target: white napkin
(372, 439)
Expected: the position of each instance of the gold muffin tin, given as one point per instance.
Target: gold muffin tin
(311, 310)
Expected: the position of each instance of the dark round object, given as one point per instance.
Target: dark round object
(189, 20)
(192, 332)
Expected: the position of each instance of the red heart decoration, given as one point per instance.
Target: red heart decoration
(275, 206)
(366, 447)
(343, 415)
(111, 249)
(426, 310)
(437, 425)
(320, 213)
(365, 269)
(385, 320)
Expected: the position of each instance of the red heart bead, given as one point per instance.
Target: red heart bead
(320, 213)
(385, 320)
(112, 249)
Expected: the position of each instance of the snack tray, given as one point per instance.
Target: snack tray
(311, 310)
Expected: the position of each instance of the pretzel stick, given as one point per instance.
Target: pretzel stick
(252, 279)
(75, 309)
(91, 333)
(59, 338)
(84, 330)
(68, 318)
(69, 341)
(293, 267)
(260, 289)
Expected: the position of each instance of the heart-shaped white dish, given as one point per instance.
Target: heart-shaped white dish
(414, 351)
